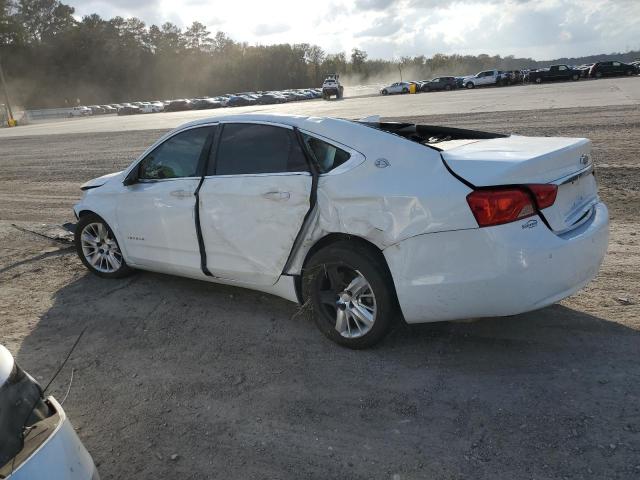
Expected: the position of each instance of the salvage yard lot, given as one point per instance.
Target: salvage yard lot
(240, 384)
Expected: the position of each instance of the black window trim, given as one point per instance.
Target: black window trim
(136, 166)
(355, 157)
(213, 157)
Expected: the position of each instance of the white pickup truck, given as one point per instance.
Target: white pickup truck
(80, 111)
(487, 77)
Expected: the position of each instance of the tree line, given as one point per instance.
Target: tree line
(53, 60)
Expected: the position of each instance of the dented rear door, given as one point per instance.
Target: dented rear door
(253, 202)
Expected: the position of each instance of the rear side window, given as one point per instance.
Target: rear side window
(177, 157)
(247, 148)
(326, 156)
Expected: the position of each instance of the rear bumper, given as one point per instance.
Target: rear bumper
(495, 271)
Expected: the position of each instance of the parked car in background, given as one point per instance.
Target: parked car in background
(205, 104)
(416, 221)
(80, 111)
(481, 79)
(109, 109)
(129, 109)
(97, 110)
(514, 77)
(148, 107)
(584, 69)
(240, 101)
(271, 98)
(611, 68)
(37, 440)
(397, 87)
(553, 73)
(178, 105)
(440, 83)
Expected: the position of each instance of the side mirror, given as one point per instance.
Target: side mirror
(132, 178)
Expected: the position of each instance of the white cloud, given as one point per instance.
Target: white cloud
(541, 29)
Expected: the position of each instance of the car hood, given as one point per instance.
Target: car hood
(98, 182)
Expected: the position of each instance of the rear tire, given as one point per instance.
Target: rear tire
(538, 80)
(405, 90)
(447, 87)
(98, 248)
(598, 74)
(351, 295)
(575, 77)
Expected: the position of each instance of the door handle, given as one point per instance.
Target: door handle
(181, 193)
(277, 195)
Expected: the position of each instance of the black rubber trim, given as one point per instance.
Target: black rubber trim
(203, 163)
(446, 165)
(313, 200)
(90, 187)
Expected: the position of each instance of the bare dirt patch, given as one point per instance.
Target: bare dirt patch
(239, 386)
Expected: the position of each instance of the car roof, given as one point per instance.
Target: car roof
(337, 129)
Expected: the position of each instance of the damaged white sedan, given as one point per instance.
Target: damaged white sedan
(365, 222)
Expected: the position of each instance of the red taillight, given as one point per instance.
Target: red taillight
(496, 206)
(499, 205)
(545, 194)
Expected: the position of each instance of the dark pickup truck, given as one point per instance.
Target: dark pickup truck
(554, 72)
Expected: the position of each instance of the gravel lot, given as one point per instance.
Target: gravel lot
(238, 384)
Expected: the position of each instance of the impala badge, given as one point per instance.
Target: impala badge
(382, 163)
(530, 224)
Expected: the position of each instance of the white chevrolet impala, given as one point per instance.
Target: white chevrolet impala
(365, 222)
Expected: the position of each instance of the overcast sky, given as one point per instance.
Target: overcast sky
(541, 29)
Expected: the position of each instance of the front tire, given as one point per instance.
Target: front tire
(351, 295)
(470, 85)
(98, 248)
(385, 92)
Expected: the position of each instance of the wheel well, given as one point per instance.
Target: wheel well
(331, 239)
(82, 213)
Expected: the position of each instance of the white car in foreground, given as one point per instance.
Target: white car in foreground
(364, 222)
(37, 441)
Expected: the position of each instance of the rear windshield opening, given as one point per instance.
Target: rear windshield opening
(431, 135)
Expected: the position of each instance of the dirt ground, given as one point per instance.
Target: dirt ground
(179, 378)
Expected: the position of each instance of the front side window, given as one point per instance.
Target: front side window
(326, 156)
(247, 148)
(177, 157)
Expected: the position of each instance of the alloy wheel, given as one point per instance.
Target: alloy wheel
(348, 301)
(100, 248)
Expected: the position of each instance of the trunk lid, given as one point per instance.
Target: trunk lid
(517, 160)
